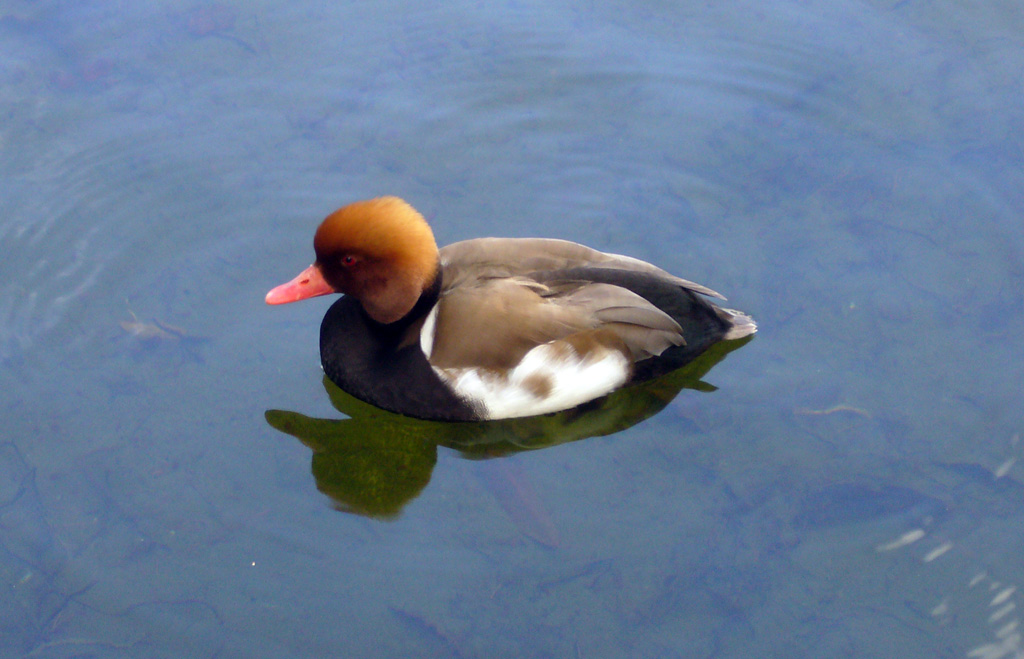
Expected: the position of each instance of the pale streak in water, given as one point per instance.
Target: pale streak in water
(1007, 629)
(1005, 468)
(907, 538)
(938, 551)
(1003, 612)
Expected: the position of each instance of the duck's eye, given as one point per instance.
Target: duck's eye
(348, 259)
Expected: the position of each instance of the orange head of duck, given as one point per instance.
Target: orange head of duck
(380, 251)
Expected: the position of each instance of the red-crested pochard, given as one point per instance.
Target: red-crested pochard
(493, 328)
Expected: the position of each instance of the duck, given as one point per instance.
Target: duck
(493, 328)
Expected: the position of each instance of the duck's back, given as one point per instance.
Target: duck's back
(509, 257)
(574, 287)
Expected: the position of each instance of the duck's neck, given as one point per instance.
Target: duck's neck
(390, 289)
(397, 329)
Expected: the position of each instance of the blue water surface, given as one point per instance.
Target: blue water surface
(849, 173)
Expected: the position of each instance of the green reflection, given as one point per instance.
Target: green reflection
(375, 462)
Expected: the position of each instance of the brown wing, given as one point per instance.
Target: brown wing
(492, 322)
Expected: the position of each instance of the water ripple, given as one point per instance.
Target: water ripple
(58, 233)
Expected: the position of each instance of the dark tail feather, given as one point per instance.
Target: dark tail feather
(741, 325)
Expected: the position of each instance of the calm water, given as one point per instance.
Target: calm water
(847, 172)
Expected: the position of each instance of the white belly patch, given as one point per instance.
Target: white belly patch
(551, 377)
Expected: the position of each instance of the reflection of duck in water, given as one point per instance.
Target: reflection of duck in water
(493, 328)
(374, 462)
